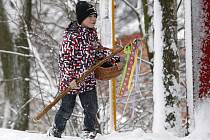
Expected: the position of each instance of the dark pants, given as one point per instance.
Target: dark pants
(89, 103)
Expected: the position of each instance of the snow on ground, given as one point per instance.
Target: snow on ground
(201, 131)
(138, 134)
(7, 134)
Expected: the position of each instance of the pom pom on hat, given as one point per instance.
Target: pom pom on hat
(83, 10)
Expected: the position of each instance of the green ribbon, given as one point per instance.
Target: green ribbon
(127, 52)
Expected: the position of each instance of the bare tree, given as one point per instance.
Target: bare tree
(23, 68)
(7, 63)
(147, 4)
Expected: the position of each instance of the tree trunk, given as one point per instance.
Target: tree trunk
(23, 70)
(170, 64)
(7, 59)
(189, 122)
(148, 31)
(7, 113)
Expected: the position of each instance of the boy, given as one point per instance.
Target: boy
(80, 50)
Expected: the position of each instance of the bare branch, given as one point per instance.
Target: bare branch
(131, 6)
(180, 2)
(52, 23)
(15, 53)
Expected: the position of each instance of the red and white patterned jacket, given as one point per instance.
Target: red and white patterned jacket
(78, 52)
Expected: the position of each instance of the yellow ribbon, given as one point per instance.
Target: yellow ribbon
(132, 70)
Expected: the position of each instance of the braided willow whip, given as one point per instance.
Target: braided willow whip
(79, 80)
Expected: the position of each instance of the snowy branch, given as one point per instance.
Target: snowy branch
(180, 2)
(52, 23)
(15, 53)
(36, 54)
(131, 6)
(34, 50)
(145, 61)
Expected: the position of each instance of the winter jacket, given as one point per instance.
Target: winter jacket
(78, 52)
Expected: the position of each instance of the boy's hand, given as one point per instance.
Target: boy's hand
(73, 84)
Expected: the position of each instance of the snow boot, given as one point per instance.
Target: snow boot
(88, 134)
(54, 132)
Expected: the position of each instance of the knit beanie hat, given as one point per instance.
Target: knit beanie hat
(83, 10)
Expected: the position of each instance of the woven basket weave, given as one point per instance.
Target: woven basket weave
(107, 73)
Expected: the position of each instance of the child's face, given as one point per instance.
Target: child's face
(89, 22)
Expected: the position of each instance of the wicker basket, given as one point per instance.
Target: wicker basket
(107, 73)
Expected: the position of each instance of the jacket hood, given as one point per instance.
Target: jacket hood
(74, 26)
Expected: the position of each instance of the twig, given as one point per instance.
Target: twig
(16, 53)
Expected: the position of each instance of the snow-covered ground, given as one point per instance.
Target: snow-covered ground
(138, 134)
(201, 131)
(6, 134)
